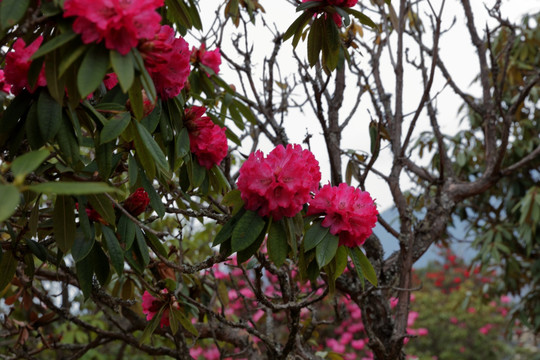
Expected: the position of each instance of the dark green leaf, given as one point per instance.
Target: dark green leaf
(85, 273)
(25, 164)
(315, 40)
(54, 43)
(361, 260)
(82, 245)
(72, 188)
(325, 251)
(49, 113)
(12, 11)
(67, 142)
(55, 83)
(115, 250)
(8, 265)
(104, 159)
(143, 248)
(104, 207)
(92, 70)
(64, 222)
(126, 231)
(186, 323)
(309, 5)
(314, 235)
(156, 245)
(364, 19)
(153, 148)
(114, 127)
(123, 67)
(296, 27)
(277, 245)
(146, 79)
(246, 230)
(155, 199)
(341, 261)
(152, 325)
(226, 231)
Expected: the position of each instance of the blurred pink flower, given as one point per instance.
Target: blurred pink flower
(18, 63)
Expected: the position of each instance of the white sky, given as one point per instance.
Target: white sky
(455, 50)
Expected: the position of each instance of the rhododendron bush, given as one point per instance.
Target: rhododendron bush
(157, 198)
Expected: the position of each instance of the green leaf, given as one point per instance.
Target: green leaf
(67, 141)
(100, 264)
(341, 260)
(12, 11)
(246, 230)
(156, 245)
(186, 323)
(49, 113)
(114, 127)
(126, 231)
(25, 164)
(64, 222)
(155, 199)
(104, 207)
(154, 149)
(123, 67)
(326, 249)
(146, 79)
(82, 245)
(309, 5)
(92, 70)
(72, 188)
(85, 273)
(296, 28)
(54, 43)
(143, 248)
(314, 235)
(55, 83)
(152, 326)
(227, 229)
(315, 40)
(364, 19)
(278, 248)
(8, 265)
(362, 265)
(115, 250)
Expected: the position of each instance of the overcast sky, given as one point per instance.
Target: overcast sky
(455, 49)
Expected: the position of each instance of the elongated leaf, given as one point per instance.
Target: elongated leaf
(8, 265)
(361, 261)
(152, 326)
(278, 248)
(115, 127)
(364, 19)
(226, 231)
(82, 245)
(341, 261)
(246, 230)
(100, 263)
(64, 222)
(143, 248)
(314, 235)
(72, 188)
(155, 200)
(25, 164)
(325, 251)
(186, 324)
(103, 206)
(54, 43)
(146, 79)
(92, 71)
(85, 273)
(315, 41)
(156, 245)
(67, 142)
(12, 11)
(126, 231)
(123, 67)
(55, 83)
(69, 58)
(297, 26)
(115, 250)
(153, 148)
(49, 113)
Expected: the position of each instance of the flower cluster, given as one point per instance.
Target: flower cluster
(206, 140)
(167, 59)
(18, 63)
(280, 184)
(341, 3)
(137, 202)
(210, 59)
(350, 212)
(121, 23)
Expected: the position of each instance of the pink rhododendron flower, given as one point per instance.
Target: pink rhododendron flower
(341, 3)
(350, 212)
(211, 59)
(4, 86)
(110, 80)
(137, 202)
(17, 64)
(121, 23)
(151, 306)
(166, 58)
(280, 184)
(206, 140)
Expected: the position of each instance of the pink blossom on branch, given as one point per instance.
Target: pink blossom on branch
(151, 306)
(280, 184)
(211, 59)
(4, 86)
(350, 212)
(167, 59)
(121, 23)
(18, 63)
(206, 140)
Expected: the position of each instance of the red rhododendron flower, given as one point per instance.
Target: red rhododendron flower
(17, 65)
(280, 184)
(137, 202)
(121, 23)
(110, 80)
(4, 86)
(211, 59)
(151, 306)
(341, 3)
(166, 58)
(350, 212)
(206, 140)
(92, 214)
